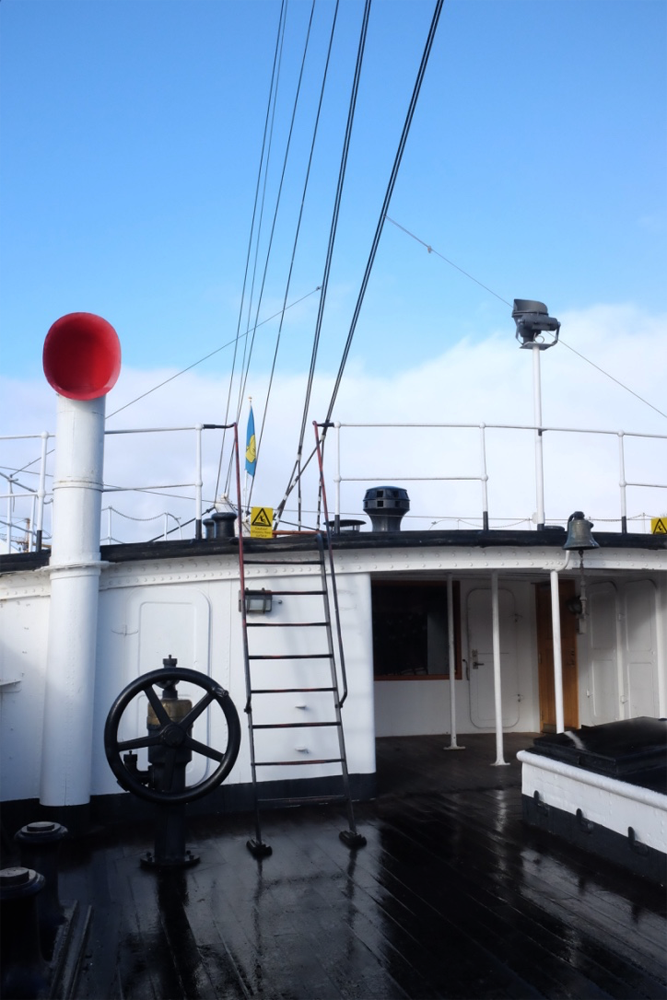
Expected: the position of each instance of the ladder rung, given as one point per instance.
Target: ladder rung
(282, 562)
(298, 800)
(294, 763)
(296, 593)
(286, 624)
(292, 656)
(288, 690)
(294, 725)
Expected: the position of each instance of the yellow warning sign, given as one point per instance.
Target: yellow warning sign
(261, 522)
(659, 525)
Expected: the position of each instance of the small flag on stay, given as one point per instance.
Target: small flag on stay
(250, 446)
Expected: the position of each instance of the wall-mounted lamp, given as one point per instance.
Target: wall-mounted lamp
(257, 602)
(579, 537)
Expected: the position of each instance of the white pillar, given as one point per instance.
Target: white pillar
(452, 665)
(558, 652)
(75, 570)
(497, 688)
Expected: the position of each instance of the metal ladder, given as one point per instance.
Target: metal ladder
(296, 637)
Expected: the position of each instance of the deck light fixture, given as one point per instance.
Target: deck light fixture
(532, 320)
(257, 602)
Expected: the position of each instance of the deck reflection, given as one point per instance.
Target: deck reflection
(451, 897)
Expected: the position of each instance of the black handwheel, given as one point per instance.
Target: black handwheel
(172, 736)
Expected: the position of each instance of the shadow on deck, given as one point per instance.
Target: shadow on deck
(452, 897)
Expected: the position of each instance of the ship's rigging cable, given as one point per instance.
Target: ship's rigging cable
(380, 225)
(250, 345)
(330, 248)
(298, 230)
(264, 159)
(491, 291)
(385, 205)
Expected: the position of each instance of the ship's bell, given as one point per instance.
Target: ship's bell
(579, 532)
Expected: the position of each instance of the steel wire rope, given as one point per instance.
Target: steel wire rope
(267, 133)
(269, 248)
(265, 156)
(298, 228)
(385, 206)
(273, 99)
(560, 340)
(297, 470)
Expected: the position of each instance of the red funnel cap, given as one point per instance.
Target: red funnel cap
(81, 356)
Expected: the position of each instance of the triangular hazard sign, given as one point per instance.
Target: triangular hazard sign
(260, 517)
(659, 526)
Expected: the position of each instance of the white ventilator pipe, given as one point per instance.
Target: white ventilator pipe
(81, 361)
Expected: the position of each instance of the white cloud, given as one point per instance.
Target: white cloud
(489, 380)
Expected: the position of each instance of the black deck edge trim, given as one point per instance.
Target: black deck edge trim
(596, 839)
(548, 538)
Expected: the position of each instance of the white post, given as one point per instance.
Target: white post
(539, 458)
(41, 492)
(558, 653)
(497, 689)
(75, 570)
(198, 484)
(10, 500)
(660, 606)
(452, 665)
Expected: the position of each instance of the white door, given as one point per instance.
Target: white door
(480, 658)
(602, 687)
(641, 668)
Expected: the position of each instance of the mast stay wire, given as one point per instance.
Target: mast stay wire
(264, 158)
(298, 229)
(298, 468)
(385, 206)
(560, 339)
(243, 380)
(378, 232)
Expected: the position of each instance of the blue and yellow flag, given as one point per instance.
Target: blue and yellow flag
(250, 446)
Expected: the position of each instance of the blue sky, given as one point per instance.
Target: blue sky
(131, 134)
(129, 148)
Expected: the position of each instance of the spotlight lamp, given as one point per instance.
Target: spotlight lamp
(532, 320)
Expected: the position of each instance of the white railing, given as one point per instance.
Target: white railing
(23, 528)
(505, 478)
(476, 469)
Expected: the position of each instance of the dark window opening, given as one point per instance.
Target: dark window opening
(410, 630)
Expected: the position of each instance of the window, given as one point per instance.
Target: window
(410, 630)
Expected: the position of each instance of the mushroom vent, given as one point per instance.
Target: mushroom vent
(386, 505)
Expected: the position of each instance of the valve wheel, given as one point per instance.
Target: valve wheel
(172, 736)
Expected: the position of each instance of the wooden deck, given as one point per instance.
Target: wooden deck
(452, 897)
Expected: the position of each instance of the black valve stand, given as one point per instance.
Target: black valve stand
(170, 745)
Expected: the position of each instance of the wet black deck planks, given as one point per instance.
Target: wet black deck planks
(452, 897)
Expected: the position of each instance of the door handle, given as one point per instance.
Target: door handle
(477, 663)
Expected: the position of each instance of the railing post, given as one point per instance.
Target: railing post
(623, 484)
(9, 515)
(41, 493)
(337, 479)
(484, 479)
(198, 484)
